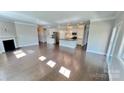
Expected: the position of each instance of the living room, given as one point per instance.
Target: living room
(63, 43)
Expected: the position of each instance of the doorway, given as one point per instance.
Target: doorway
(56, 36)
(85, 37)
(42, 36)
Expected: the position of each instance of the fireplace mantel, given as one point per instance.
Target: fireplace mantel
(7, 37)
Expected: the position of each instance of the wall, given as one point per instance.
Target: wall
(26, 34)
(7, 29)
(99, 36)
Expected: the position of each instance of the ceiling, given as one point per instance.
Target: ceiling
(56, 17)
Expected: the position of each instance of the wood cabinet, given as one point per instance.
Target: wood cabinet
(80, 34)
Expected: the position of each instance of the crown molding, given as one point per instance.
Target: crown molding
(25, 23)
(102, 19)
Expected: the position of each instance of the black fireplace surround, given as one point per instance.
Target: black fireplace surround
(9, 45)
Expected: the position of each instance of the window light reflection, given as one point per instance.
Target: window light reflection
(19, 54)
(51, 63)
(64, 71)
(42, 58)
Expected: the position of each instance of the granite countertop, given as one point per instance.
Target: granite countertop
(69, 39)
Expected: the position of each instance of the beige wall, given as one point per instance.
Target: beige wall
(99, 36)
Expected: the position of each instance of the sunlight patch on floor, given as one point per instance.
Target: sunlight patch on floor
(19, 54)
(64, 71)
(42, 58)
(51, 63)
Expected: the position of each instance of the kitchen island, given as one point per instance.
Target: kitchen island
(68, 43)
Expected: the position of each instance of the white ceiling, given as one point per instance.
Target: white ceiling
(56, 17)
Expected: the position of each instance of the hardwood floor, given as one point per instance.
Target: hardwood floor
(82, 66)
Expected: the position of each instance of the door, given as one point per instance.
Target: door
(56, 34)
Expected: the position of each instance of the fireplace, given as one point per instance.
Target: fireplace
(9, 45)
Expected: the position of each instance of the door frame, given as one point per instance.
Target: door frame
(113, 40)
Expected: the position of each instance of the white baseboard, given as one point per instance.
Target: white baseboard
(28, 45)
(96, 52)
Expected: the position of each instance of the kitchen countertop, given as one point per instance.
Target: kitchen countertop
(69, 39)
